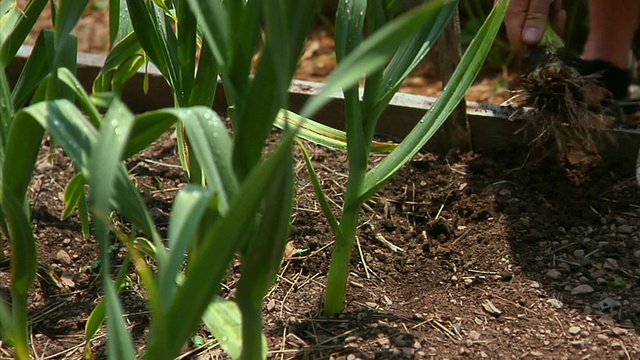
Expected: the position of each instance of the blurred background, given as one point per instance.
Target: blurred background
(500, 69)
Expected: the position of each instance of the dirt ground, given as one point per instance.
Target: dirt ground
(502, 256)
(497, 261)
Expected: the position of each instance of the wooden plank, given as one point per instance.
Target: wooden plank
(489, 125)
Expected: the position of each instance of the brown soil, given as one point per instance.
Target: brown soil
(501, 258)
(494, 257)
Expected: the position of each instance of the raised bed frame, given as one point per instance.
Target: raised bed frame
(489, 126)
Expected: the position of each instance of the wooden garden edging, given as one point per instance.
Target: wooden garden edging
(489, 125)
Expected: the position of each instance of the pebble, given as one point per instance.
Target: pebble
(564, 267)
(399, 341)
(577, 344)
(579, 254)
(63, 257)
(609, 304)
(636, 254)
(582, 290)
(555, 303)
(598, 274)
(610, 263)
(625, 229)
(617, 331)
(554, 274)
(474, 335)
(350, 339)
(574, 330)
(408, 352)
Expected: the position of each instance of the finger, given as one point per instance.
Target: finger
(536, 19)
(559, 21)
(514, 21)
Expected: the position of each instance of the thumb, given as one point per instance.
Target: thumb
(535, 21)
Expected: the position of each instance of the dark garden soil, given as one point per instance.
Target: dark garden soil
(500, 255)
(497, 260)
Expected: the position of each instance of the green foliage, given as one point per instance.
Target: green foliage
(357, 59)
(238, 202)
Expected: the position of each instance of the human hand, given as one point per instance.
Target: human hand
(525, 21)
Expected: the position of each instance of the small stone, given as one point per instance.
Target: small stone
(574, 330)
(554, 274)
(564, 267)
(351, 357)
(610, 263)
(484, 355)
(618, 331)
(625, 229)
(579, 254)
(616, 345)
(67, 280)
(577, 344)
(474, 335)
(609, 304)
(63, 257)
(350, 339)
(271, 305)
(383, 324)
(454, 278)
(555, 303)
(582, 290)
(408, 352)
(598, 273)
(399, 341)
(636, 254)
(66, 241)
(156, 213)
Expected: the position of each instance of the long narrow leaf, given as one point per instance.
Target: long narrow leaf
(221, 241)
(188, 208)
(103, 165)
(123, 50)
(11, 44)
(262, 260)
(373, 53)
(70, 129)
(99, 313)
(36, 68)
(322, 134)
(72, 194)
(287, 23)
(453, 93)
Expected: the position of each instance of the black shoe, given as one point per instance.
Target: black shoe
(611, 77)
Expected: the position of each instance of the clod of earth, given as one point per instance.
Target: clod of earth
(567, 108)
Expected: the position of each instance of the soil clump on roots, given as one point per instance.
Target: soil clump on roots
(567, 110)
